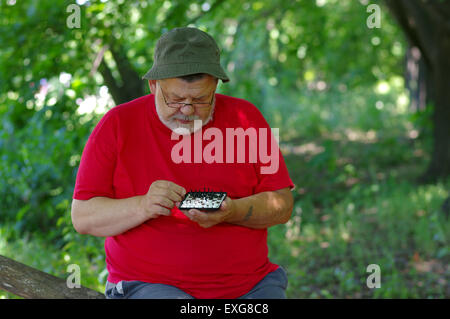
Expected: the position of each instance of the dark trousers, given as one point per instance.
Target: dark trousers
(272, 286)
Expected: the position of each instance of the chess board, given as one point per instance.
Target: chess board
(207, 201)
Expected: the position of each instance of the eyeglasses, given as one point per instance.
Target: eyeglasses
(177, 105)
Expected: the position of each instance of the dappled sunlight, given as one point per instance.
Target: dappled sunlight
(324, 245)
(353, 135)
(3, 242)
(304, 149)
(293, 226)
(432, 265)
(382, 87)
(97, 104)
(360, 136)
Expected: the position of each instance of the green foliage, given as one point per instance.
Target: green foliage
(39, 160)
(401, 229)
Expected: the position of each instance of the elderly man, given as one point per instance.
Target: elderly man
(129, 186)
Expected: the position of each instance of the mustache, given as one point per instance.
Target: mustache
(184, 117)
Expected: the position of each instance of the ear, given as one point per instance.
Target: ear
(152, 86)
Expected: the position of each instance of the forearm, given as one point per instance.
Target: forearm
(262, 210)
(102, 216)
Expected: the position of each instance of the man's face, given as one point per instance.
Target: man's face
(176, 90)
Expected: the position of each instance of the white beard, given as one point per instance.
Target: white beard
(184, 129)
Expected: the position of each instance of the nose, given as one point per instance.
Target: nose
(187, 109)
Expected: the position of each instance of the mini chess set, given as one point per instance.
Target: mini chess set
(203, 200)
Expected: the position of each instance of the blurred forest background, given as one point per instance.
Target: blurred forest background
(361, 100)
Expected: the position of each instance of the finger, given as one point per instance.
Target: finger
(176, 188)
(168, 193)
(187, 214)
(160, 210)
(158, 184)
(163, 201)
(190, 213)
(168, 185)
(197, 215)
(176, 197)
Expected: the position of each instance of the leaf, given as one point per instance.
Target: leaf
(22, 212)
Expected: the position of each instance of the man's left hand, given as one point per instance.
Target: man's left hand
(208, 219)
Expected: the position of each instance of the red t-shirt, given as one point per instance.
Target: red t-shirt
(129, 149)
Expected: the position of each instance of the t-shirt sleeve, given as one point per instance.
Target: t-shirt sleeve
(96, 170)
(270, 168)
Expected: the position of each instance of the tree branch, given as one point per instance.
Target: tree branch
(113, 87)
(27, 282)
(416, 17)
(211, 9)
(132, 82)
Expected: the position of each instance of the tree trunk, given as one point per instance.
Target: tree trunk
(440, 160)
(27, 282)
(415, 82)
(129, 86)
(427, 27)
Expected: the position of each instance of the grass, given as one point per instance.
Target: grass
(326, 250)
(356, 203)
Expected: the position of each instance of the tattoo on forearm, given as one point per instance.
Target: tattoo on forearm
(249, 213)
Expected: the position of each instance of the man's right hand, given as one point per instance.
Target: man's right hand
(161, 197)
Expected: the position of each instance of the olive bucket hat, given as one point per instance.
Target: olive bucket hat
(184, 51)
